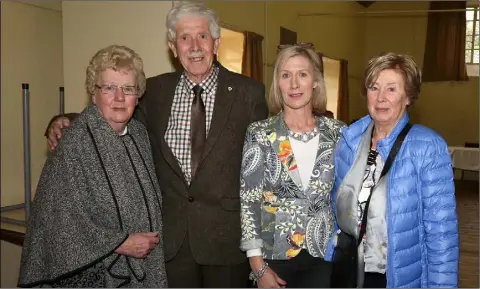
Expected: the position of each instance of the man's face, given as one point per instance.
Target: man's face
(195, 47)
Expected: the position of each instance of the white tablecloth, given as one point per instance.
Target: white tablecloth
(465, 158)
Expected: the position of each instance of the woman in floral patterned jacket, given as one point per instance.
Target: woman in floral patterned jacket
(287, 177)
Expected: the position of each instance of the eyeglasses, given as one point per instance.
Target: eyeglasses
(306, 45)
(110, 89)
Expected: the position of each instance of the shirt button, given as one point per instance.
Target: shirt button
(190, 199)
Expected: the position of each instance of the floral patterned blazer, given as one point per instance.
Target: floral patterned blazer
(278, 215)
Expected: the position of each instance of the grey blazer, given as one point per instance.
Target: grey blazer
(278, 215)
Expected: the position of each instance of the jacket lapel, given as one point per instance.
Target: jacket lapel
(224, 97)
(277, 136)
(162, 109)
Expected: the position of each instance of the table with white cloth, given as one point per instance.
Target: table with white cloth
(464, 158)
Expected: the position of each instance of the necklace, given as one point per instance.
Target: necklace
(304, 136)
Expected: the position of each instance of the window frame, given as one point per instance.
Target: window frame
(472, 48)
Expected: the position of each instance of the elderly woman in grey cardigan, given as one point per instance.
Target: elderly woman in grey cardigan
(96, 218)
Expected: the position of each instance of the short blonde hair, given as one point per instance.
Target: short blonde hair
(319, 99)
(118, 58)
(403, 64)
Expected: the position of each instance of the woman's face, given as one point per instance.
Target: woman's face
(296, 82)
(387, 99)
(116, 96)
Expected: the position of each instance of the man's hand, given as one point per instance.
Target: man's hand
(138, 245)
(55, 131)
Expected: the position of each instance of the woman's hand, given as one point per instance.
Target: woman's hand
(138, 245)
(269, 279)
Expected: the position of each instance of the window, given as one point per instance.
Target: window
(331, 74)
(472, 41)
(230, 52)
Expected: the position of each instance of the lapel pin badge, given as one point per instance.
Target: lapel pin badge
(229, 88)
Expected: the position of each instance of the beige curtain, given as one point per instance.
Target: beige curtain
(252, 61)
(342, 102)
(444, 58)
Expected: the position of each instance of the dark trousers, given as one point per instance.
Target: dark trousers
(184, 272)
(374, 280)
(303, 271)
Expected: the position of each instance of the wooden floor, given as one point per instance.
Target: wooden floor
(467, 193)
(467, 210)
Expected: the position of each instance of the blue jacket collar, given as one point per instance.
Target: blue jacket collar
(353, 133)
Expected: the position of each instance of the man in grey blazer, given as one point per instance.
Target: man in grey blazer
(196, 119)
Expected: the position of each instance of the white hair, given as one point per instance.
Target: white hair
(192, 9)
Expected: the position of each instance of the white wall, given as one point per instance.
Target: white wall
(91, 25)
(31, 52)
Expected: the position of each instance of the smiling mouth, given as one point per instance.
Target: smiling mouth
(196, 59)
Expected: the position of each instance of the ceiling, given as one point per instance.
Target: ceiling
(57, 5)
(366, 4)
(50, 4)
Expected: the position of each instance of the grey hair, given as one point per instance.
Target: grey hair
(192, 9)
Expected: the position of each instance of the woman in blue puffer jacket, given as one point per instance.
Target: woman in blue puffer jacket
(411, 237)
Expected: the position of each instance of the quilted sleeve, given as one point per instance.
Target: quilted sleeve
(339, 159)
(251, 192)
(336, 184)
(439, 216)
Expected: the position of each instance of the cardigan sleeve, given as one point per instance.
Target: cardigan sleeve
(439, 216)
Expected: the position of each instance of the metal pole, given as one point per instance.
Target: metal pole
(26, 149)
(62, 100)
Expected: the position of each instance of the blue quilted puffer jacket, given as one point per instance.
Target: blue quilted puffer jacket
(421, 216)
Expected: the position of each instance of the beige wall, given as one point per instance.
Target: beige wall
(450, 108)
(230, 52)
(10, 264)
(331, 71)
(341, 32)
(345, 35)
(31, 52)
(34, 38)
(91, 25)
(338, 35)
(233, 16)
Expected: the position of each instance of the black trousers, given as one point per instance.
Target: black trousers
(303, 271)
(374, 280)
(184, 272)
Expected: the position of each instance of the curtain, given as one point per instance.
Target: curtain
(252, 60)
(444, 58)
(342, 102)
(320, 55)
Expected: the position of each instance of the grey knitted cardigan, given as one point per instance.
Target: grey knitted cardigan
(88, 199)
